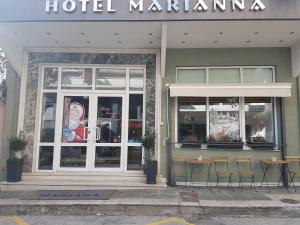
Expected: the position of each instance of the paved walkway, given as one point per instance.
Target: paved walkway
(161, 202)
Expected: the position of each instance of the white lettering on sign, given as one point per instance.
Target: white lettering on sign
(220, 5)
(238, 4)
(173, 5)
(200, 6)
(53, 6)
(96, 6)
(133, 5)
(155, 7)
(258, 5)
(69, 5)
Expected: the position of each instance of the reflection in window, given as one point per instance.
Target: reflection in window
(50, 78)
(135, 126)
(107, 157)
(111, 79)
(72, 156)
(46, 158)
(192, 120)
(259, 120)
(74, 78)
(224, 120)
(134, 161)
(136, 80)
(258, 75)
(48, 118)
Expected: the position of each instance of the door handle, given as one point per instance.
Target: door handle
(98, 133)
(86, 135)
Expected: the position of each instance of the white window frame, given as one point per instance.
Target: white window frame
(241, 102)
(59, 91)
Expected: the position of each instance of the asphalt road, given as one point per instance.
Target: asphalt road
(122, 220)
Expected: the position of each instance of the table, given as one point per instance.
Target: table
(207, 162)
(268, 164)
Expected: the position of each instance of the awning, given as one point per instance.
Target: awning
(231, 90)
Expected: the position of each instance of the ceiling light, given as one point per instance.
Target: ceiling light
(256, 33)
(56, 42)
(221, 33)
(215, 42)
(291, 33)
(281, 41)
(248, 41)
(185, 33)
(150, 42)
(116, 34)
(88, 42)
(150, 34)
(82, 33)
(120, 42)
(183, 42)
(26, 41)
(48, 33)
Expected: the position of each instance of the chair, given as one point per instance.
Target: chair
(222, 170)
(185, 161)
(244, 166)
(293, 169)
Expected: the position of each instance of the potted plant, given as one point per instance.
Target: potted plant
(260, 142)
(148, 142)
(226, 141)
(16, 156)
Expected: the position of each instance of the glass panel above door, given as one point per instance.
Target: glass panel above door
(75, 119)
(110, 79)
(50, 78)
(109, 120)
(136, 80)
(77, 78)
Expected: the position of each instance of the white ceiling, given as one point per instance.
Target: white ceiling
(145, 35)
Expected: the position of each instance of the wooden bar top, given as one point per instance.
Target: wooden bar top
(203, 161)
(271, 162)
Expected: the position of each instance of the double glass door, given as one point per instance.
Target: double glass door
(92, 136)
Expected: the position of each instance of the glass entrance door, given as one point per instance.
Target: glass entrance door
(92, 133)
(108, 149)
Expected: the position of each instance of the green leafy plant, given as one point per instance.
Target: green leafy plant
(17, 145)
(148, 142)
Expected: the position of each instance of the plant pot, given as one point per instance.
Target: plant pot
(14, 170)
(226, 145)
(151, 172)
(261, 145)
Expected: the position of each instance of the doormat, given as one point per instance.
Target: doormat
(68, 195)
(189, 196)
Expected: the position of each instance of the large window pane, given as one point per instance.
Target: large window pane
(46, 158)
(224, 119)
(50, 78)
(135, 126)
(73, 156)
(224, 75)
(136, 80)
(75, 119)
(48, 118)
(191, 76)
(74, 78)
(259, 120)
(111, 79)
(191, 120)
(258, 75)
(107, 157)
(134, 161)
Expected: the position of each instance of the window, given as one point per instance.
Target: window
(191, 75)
(224, 75)
(259, 119)
(191, 120)
(224, 119)
(76, 78)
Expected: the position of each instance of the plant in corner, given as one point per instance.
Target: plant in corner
(148, 142)
(16, 156)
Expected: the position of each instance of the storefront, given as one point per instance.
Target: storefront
(209, 78)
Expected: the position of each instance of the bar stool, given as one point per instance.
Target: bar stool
(244, 165)
(222, 170)
(293, 169)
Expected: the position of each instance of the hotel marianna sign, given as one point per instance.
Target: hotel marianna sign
(147, 10)
(109, 6)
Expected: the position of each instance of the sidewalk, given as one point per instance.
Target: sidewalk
(166, 201)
